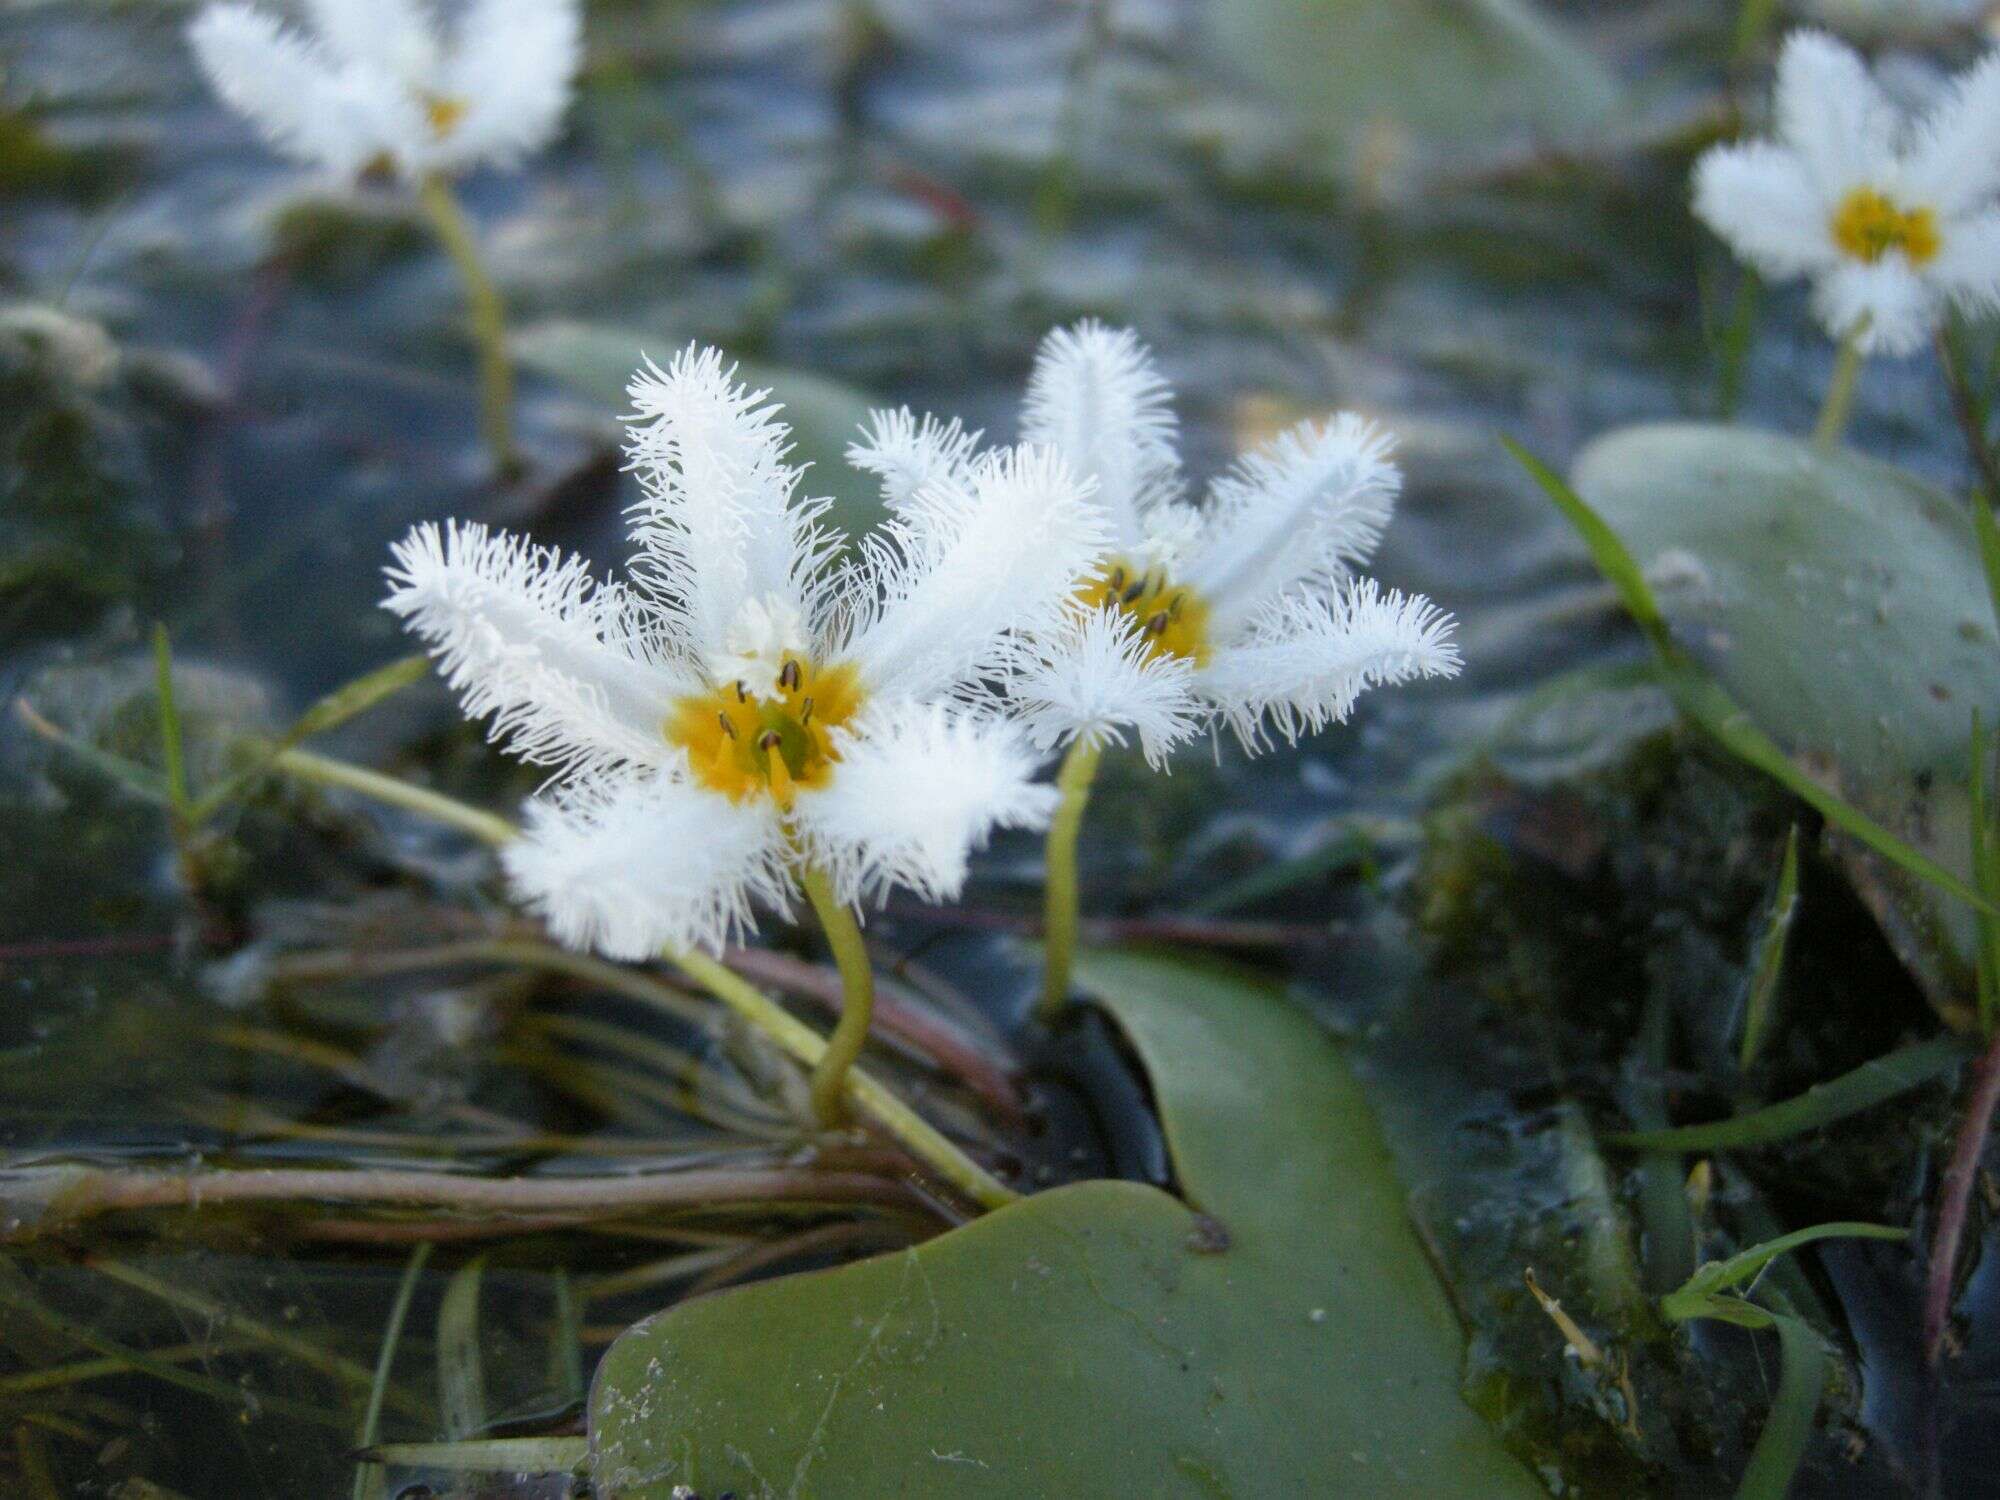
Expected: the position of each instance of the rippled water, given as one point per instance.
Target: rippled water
(899, 198)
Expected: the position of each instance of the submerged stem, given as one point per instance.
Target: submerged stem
(857, 982)
(1059, 896)
(489, 321)
(1840, 389)
(1955, 1195)
(909, 1129)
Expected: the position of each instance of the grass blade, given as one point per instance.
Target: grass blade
(1720, 1275)
(461, 1376)
(367, 1478)
(1787, 1430)
(1771, 956)
(346, 702)
(1985, 869)
(567, 1337)
(1988, 532)
(172, 752)
(1872, 1083)
(1704, 701)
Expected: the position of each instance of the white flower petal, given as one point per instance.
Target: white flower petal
(1967, 268)
(1953, 163)
(1097, 398)
(908, 455)
(1307, 658)
(917, 789)
(632, 865)
(391, 36)
(569, 669)
(963, 564)
(720, 522)
(1760, 199)
(1302, 509)
(1831, 111)
(1901, 308)
(306, 106)
(1094, 680)
(512, 62)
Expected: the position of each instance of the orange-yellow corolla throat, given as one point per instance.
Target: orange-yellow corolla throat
(748, 739)
(1172, 619)
(1868, 225)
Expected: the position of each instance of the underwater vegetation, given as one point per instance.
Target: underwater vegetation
(851, 748)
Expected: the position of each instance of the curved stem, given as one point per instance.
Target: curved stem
(1059, 896)
(910, 1130)
(489, 321)
(857, 984)
(1840, 389)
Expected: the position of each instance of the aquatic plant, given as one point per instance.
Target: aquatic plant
(376, 89)
(1245, 611)
(1893, 219)
(750, 717)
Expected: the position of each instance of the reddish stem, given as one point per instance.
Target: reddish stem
(1955, 1195)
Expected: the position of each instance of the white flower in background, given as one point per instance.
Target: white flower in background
(1244, 610)
(376, 83)
(1892, 217)
(743, 703)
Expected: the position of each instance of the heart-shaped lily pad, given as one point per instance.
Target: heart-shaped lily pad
(1283, 1337)
(1841, 603)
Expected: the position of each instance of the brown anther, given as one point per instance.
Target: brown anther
(806, 714)
(1174, 609)
(1117, 581)
(741, 696)
(789, 676)
(1138, 588)
(727, 727)
(1157, 625)
(768, 740)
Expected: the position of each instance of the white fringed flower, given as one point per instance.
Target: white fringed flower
(1892, 218)
(1244, 610)
(377, 85)
(741, 704)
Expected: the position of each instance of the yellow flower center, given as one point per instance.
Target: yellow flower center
(1868, 225)
(1173, 619)
(444, 113)
(746, 739)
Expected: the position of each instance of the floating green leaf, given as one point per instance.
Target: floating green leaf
(824, 415)
(1280, 1334)
(1435, 69)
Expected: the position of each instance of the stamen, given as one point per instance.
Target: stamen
(741, 696)
(1133, 592)
(1117, 579)
(806, 714)
(789, 676)
(1157, 625)
(727, 727)
(769, 740)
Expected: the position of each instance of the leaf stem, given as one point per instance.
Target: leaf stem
(1840, 389)
(489, 321)
(1059, 897)
(857, 981)
(307, 766)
